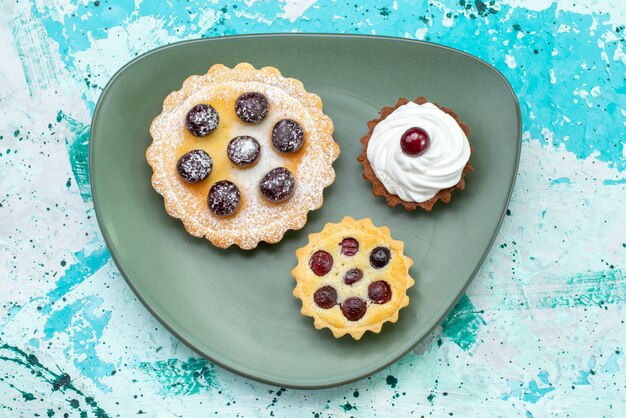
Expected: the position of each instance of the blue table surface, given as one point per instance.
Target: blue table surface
(540, 331)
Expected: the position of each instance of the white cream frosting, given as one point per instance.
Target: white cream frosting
(417, 179)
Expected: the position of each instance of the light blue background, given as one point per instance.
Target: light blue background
(541, 330)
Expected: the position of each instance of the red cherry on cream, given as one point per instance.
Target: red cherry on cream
(415, 141)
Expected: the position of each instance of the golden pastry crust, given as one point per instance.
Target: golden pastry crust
(378, 189)
(256, 219)
(395, 273)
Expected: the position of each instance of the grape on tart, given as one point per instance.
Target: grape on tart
(352, 277)
(241, 155)
(416, 153)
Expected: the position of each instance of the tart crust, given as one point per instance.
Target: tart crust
(256, 219)
(378, 189)
(395, 273)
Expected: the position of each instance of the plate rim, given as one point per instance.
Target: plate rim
(105, 230)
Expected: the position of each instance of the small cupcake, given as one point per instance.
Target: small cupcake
(352, 277)
(415, 154)
(241, 155)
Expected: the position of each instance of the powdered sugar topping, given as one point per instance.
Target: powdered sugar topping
(194, 166)
(287, 136)
(252, 107)
(243, 150)
(224, 198)
(278, 185)
(202, 119)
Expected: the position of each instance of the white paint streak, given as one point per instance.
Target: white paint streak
(207, 20)
(294, 9)
(509, 60)
(421, 33)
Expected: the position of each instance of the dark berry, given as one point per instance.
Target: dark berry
(415, 142)
(353, 308)
(349, 247)
(251, 107)
(278, 184)
(287, 136)
(325, 297)
(379, 257)
(194, 166)
(202, 119)
(321, 262)
(243, 150)
(224, 198)
(352, 276)
(379, 292)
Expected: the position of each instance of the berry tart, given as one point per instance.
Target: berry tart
(352, 277)
(241, 155)
(416, 153)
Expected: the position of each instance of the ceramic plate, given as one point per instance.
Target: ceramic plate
(235, 307)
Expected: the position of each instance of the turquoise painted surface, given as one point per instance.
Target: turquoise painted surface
(78, 152)
(176, 377)
(540, 332)
(462, 324)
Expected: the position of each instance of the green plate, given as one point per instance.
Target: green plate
(235, 307)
